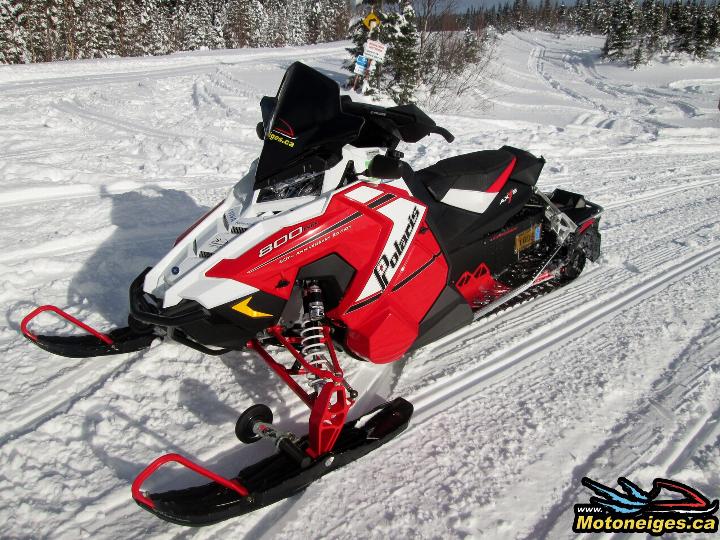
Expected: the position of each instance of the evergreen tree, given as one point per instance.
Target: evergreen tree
(237, 29)
(17, 33)
(7, 33)
(714, 32)
(654, 24)
(622, 30)
(359, 34)
(702, 38)
(402, 57)
(638, 56)
(684, 29)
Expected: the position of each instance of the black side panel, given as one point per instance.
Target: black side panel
(334, 272)
(496, 250)
(449, 313)
(447, 222)
(231, 329)
(456, 228)
(498, 213)
(527, 168)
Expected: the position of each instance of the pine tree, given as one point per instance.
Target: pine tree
(359, 34)
(17, 35)
(154, 28)
(622, 29)
(714, 33)
(96, 31)
(684, 29)
(7, 31)
(654, 24)
(237, 29)
(200, 31)
(702, 38)
(402, 58)
(638, 57)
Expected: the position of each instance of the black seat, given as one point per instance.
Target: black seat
(477, 171)
(527, 167)
(457, 228)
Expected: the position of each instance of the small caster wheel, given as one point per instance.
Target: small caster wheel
(244, 426)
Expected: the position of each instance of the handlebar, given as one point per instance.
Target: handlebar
(408, 122)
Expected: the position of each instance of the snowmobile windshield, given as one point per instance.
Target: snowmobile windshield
(305, 130)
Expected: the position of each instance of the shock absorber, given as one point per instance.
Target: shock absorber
(311, 334)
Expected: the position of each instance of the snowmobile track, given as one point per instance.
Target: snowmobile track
(80, 81)
(636, 431)
(448, 391)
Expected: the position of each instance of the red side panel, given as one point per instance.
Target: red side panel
(384, 329)
(381, 232)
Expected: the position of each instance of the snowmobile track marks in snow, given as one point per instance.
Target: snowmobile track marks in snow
(462, 385)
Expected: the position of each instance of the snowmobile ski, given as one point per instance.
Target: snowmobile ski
(94, 343)
(272, 479)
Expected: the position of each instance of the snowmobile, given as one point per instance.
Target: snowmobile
(332, 244)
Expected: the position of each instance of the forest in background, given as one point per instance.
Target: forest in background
(48, 30)
(634, 31)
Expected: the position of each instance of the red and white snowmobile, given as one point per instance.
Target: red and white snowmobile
(327, 245)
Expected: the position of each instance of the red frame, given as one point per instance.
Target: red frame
(30, 316)
(177, 458)
(328, 409)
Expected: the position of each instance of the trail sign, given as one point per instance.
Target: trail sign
(361, 65)
(374, 50)
(371, 21)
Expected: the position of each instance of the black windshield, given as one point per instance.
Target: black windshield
(305, 128)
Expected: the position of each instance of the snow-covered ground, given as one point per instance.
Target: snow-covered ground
(103, 163)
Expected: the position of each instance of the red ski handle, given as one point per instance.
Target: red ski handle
(177, 458)
(30, 316)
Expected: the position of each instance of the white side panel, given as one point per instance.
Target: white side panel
(181, 273)
(363, 194)
(212, 292)
(406, 217)
(474, 201)
(234, 249)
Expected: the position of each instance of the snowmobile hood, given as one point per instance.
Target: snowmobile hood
(304, 127)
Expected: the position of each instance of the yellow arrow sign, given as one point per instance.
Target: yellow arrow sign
(370, 19)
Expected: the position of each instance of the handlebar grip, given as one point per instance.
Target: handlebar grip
(449, 137)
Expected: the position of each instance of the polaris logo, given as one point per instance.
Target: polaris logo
(390, 260)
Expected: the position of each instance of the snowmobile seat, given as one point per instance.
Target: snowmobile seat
(473, 181)
(527, 167)
(470, 181)
(460, 221)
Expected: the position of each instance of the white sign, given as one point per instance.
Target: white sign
(375, 50)
(361, 65)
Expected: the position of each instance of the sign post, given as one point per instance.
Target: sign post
(362, 65)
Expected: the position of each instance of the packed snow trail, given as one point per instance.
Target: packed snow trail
(104, 163)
